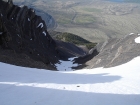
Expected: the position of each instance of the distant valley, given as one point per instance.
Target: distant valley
(93, 20)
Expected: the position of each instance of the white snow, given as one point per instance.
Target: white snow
(21, 6)
(28, 19)
(40, 24)
(138, 34)
(66, 65)
(44, 33)
(101, 86)
(137, 40)
(33, 10)
(131, 34)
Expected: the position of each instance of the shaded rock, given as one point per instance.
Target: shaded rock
(24, 32)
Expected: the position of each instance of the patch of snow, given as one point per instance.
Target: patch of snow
(131, 34)
(28, 19)
(137, 40)
(66, 65)
(33, 10)
(138, 34)
(40, 24)
(21, 6)
(44, 33)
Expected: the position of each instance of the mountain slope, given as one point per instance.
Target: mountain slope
(114, 52)
(101, 86)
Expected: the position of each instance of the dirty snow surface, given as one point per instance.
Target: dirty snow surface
(101, 86)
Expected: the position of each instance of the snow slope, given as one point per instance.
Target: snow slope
(101, 86)
(118, 85)
(137, 40)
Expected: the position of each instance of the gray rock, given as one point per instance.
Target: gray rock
(115, 52)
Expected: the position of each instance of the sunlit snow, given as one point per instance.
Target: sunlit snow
(131, 34)
(101, 86)
(137, 40)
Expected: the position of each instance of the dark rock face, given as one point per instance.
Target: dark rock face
(23, 31)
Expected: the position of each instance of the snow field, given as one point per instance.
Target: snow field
(100, 86)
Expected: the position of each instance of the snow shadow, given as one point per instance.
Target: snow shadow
(61, 78)
(24, 95)
(72, 78)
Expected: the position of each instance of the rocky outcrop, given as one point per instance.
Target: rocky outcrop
(25, 32)
(115, 52)
(22, 31)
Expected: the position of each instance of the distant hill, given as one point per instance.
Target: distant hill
(71, 38)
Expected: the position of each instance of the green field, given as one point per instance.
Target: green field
(71, 38)
(91, 9)
(93, 20)
(85, 19)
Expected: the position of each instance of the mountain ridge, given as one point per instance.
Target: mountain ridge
(115, 52)
(25, 32)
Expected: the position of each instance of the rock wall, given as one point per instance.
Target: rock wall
(24, 32)
(115, 52)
